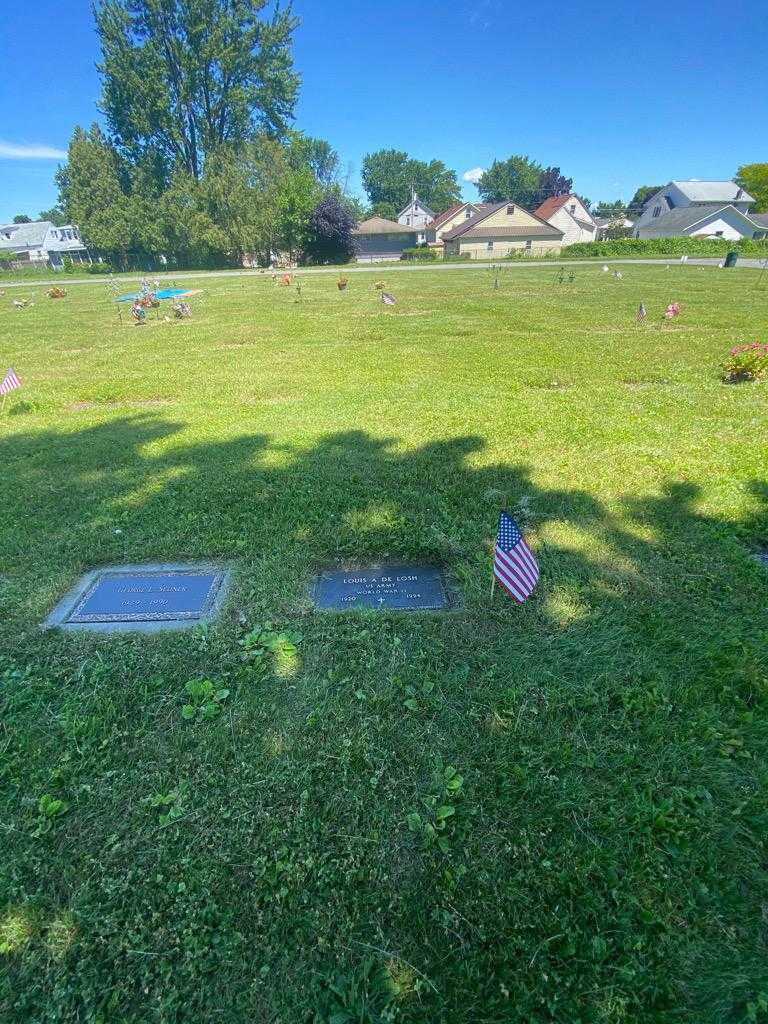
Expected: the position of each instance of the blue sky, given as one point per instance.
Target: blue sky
(617, 94)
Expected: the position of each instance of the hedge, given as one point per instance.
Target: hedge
(680, 246)
(419, 252)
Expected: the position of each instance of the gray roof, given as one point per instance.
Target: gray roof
(382, 226)
(24, 236)
(761, 219)
(713, 191)
(676, 221)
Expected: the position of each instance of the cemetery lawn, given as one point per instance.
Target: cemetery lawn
(553, 812)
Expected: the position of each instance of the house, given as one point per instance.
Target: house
(380, 239)
(416, 214)
(449, 219)
(718, 209)
(571, 216)
(41, 242)
(501, 229)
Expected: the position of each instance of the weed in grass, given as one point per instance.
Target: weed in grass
(205, 699)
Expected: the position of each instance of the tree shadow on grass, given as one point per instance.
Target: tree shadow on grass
(597, 726)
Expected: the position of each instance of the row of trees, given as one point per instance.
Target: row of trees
(198, 161)
(250, 199)
(389, 175)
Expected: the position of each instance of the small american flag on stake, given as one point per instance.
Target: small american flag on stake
(641, 313)
(514, 565)
(387, 299)
(10, 383)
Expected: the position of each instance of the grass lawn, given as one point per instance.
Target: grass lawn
(596, 758)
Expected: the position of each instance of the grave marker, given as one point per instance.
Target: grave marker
(141, 597)
(403, 587)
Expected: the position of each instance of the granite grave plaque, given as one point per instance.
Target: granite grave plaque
(141, 597)
(137, 597)
(403, 587)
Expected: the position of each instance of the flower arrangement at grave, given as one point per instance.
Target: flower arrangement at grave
(746, 363)
(672, 311)
(56, 292)
(138, 312)
(380, 285)
(286, 280)
(182, 310)
(342, 283)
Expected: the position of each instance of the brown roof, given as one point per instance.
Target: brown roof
(550, 206)
(489, 209)
(519, 231)
(382, 226)
(451, 212)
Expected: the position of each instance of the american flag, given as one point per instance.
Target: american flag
(514, 566)
(10, 382)
(641, 312)
(387, 299)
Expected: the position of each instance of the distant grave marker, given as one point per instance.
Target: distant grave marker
(146, 598)
(403, 587)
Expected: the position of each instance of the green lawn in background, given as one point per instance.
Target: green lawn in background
(538, 813)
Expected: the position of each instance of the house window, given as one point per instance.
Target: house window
(656, 211)
(572, 207)
(719, 234)
(467, 214)
(510, 209)
(528, 245)
(489, 245)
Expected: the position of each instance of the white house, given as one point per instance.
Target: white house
(717, 209)
(41, 242)
(569, 215)
(416, 214)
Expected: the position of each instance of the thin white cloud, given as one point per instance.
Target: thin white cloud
(13, 151)
(474, 175)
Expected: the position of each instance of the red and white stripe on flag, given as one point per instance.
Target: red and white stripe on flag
(10, 383)
(514, 565)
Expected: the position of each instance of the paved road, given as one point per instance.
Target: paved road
(376, 268)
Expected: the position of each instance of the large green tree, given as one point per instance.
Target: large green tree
(184, 77)
(517, 179)
(754, 179)
(55, 215)
(389, 175)
(92, 192)
(316, 154)
(613, 210)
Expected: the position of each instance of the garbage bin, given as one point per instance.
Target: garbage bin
(731, 258)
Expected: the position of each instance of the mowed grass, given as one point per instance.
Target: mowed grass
(593, 763)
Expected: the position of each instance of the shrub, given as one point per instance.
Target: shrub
(531, 254)
(99, 268)
(681, 246)
(419, 252)
(746, 362)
